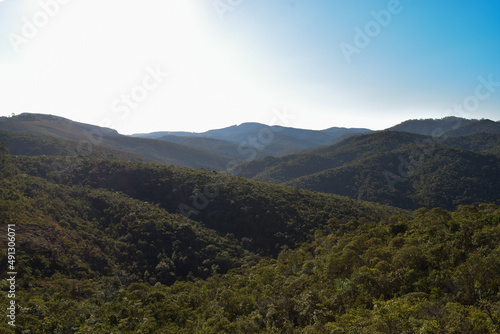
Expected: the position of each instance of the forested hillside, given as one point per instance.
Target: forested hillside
(35, 145)
(316, 160)
(481, 126)
(109, 243)
(396, 168)
(83, 139)
(263, 216)
(95, 257)
(479, 142)
(448, 127)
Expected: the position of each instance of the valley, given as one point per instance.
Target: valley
(312, 231)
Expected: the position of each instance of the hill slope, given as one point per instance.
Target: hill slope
(479, 142)
(267, 140)
(396, 168)
(88, 137)
(431, 127)
(327, 157)
(448, 127)
(105, 249)
(446, 179)
(98, 261)
(481, 126)
(33, 145)
(263, 216)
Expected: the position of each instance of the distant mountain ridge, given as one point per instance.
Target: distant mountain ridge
(240, 132)
(213, 149)
(89, 138)
(401, 169)
(271, 140)
(54, 126)
(220, 148)
(448, 126)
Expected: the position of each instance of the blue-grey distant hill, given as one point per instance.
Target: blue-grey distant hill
(448, 126)
(452, 161)
(61, 136)
(275, 140)
(398, 168)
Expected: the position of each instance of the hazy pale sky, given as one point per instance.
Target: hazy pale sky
(194, 65)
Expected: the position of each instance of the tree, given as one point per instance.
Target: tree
(6, 166)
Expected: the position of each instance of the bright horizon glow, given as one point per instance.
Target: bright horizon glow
(260, 57)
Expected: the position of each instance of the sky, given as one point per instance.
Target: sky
(195, 65)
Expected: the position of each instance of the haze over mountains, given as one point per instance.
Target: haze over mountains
(92, 137)
(396, 168)
(267, 140)
(461, 156)
(215, 148)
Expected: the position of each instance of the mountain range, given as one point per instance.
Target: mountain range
(213, 149)
(396, 168)
(251, 229)
(390, 167)
(86, 138)
(262, 140)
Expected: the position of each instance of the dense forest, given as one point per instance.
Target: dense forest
(395, 168)
(97, 260)
(114, 242)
